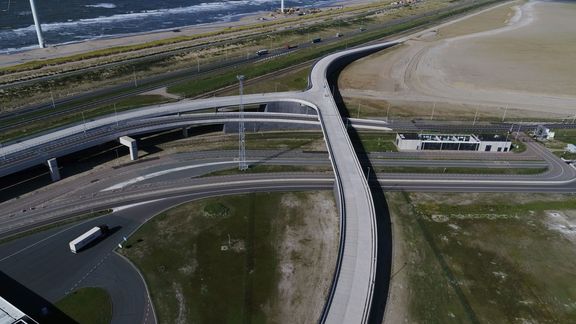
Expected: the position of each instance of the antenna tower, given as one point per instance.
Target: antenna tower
(242, 165)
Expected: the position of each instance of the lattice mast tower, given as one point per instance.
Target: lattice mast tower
(242, 165)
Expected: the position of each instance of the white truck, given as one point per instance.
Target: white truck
(81, 241)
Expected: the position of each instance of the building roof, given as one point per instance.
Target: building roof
(492, 138)
(9, 314)
(409, 136)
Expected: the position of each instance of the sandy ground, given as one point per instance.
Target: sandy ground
(53, 51)
(301, 293)
(518, 55)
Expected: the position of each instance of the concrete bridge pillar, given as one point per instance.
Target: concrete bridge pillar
(132, 145)
(185, 132)
(54, 171)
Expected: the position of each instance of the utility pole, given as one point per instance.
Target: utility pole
(505, 110)
(37, 24)
(282, 7)
(198, 64)
(388, 113)
(358, 114)
(242, 166)
(116, 115)
(52, 97)
(433, 109)
(84, 123)
(134, 74)
(475, 116)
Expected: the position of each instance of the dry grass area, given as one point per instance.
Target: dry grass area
(483, 258)
(512, 58)
(256, 258)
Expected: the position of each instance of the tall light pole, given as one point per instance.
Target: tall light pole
(282, 6)
(242, 166)
(37, 25)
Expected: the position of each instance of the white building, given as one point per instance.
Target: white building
(570, 148)
(543, 133)
(451, 142)
(9, 314)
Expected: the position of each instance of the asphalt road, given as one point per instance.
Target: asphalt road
(44, 264)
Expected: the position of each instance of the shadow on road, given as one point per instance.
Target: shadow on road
(31, 303)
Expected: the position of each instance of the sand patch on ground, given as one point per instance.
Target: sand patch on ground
(521, 58)
(563, 222)
(300, 292)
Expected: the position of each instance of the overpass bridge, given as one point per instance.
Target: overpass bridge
(350, 297)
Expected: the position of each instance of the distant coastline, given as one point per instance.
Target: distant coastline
(58, 34)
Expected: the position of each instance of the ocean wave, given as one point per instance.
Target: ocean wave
(102, 5)
(199, 8)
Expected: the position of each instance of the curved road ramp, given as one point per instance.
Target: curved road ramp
(351, 294)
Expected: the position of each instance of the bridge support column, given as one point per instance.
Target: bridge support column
(186, 131)
(54, 171)
(132, 145)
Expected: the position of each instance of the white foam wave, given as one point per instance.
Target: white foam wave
(199, 8)
(102, 5)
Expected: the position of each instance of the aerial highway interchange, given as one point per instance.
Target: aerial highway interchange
(149, 187)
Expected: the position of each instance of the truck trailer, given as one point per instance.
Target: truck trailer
(93, 234)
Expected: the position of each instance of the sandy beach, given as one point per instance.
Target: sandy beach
(518, 55)
(53, 51)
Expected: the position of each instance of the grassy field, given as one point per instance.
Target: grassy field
(487, 258)
(271, 169)
(378, 142)
(224, 260)
(459, 170)
(87, 306)
(290, 81)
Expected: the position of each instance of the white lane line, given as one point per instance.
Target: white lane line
(44, 239)
(87, 274)
(121, 208)
(164, 172)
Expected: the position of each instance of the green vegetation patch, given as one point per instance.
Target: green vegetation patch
(271, 169)
(378, 142)
(217, 260)
(459, 170)
(567, 136)
(488, 258)
(87, 306)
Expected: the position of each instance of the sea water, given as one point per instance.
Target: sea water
(65, 21)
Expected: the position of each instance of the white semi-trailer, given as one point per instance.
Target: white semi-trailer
(81, 241)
